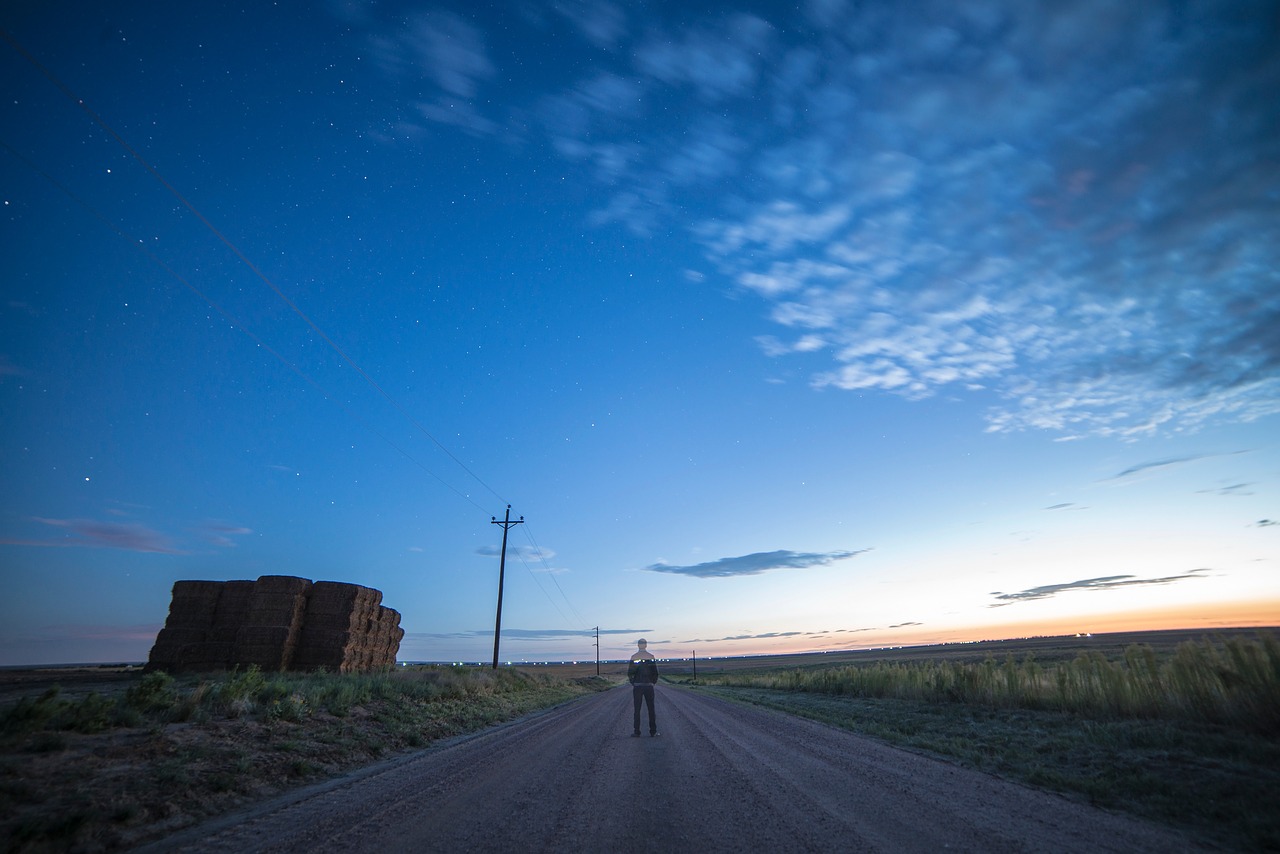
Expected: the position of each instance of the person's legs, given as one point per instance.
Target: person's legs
(653, 721)
(637, 694)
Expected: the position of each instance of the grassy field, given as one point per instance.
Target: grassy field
(1179, 729)
(117, 759)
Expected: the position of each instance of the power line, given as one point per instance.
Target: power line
(542, 557)
(543, 589)
(101, 122)
(231, 319)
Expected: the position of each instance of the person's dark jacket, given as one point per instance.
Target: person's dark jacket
(643, 671)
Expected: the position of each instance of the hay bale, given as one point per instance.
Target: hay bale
(349, 622)
(276, 609)
(269, 657)
(326, 638)
(281, 584)
(331, 597)
(223, 632)
(341, 627)
(164, 657)
(193, 603)
(210, 655)
(198, 590)
(269, 647)
(179, 636)
(262, 635)
(185, 616)
(233, 602)
(323, 648)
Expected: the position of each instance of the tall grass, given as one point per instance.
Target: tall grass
(1235, 682)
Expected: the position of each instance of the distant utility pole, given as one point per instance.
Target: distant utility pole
(695, 665)
(506, 524)
(597, 650)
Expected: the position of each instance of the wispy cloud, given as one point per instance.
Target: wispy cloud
(1083, 246)
(517, 552)
(1108, 582)
(1233, 489)
(9, 369)
(1159, 464)
(754, 564)
(717, 61)
(445, 57)
(221, 534)
(946, 199)
(90, 533)
(1170, 462)
(829, 632)
(742, 637)
(600, 22)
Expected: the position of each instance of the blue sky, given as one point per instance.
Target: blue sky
(784, 326)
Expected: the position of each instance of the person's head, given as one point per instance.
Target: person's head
(642, 643)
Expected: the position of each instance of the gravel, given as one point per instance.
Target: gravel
(720, 777)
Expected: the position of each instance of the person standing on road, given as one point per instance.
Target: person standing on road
(643, 675)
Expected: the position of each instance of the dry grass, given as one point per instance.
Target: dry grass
(147, 755)
(1235, 682)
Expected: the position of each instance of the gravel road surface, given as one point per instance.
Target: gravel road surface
(720, 777)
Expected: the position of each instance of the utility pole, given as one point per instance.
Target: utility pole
(506, 524)
(597, 650)
(695, 665)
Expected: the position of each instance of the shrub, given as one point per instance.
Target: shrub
(31, 713)
(92, 714)
(155, 691)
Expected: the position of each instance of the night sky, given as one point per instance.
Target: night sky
(785, 326)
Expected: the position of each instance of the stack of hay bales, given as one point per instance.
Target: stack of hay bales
(347, 629)
(278, 622)
(384, 635)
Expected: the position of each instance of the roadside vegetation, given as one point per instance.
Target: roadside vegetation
(107, 771)
(1190, 738)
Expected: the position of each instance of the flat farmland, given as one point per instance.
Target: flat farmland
(1045, 649)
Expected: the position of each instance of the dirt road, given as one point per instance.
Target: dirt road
(720, 777)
